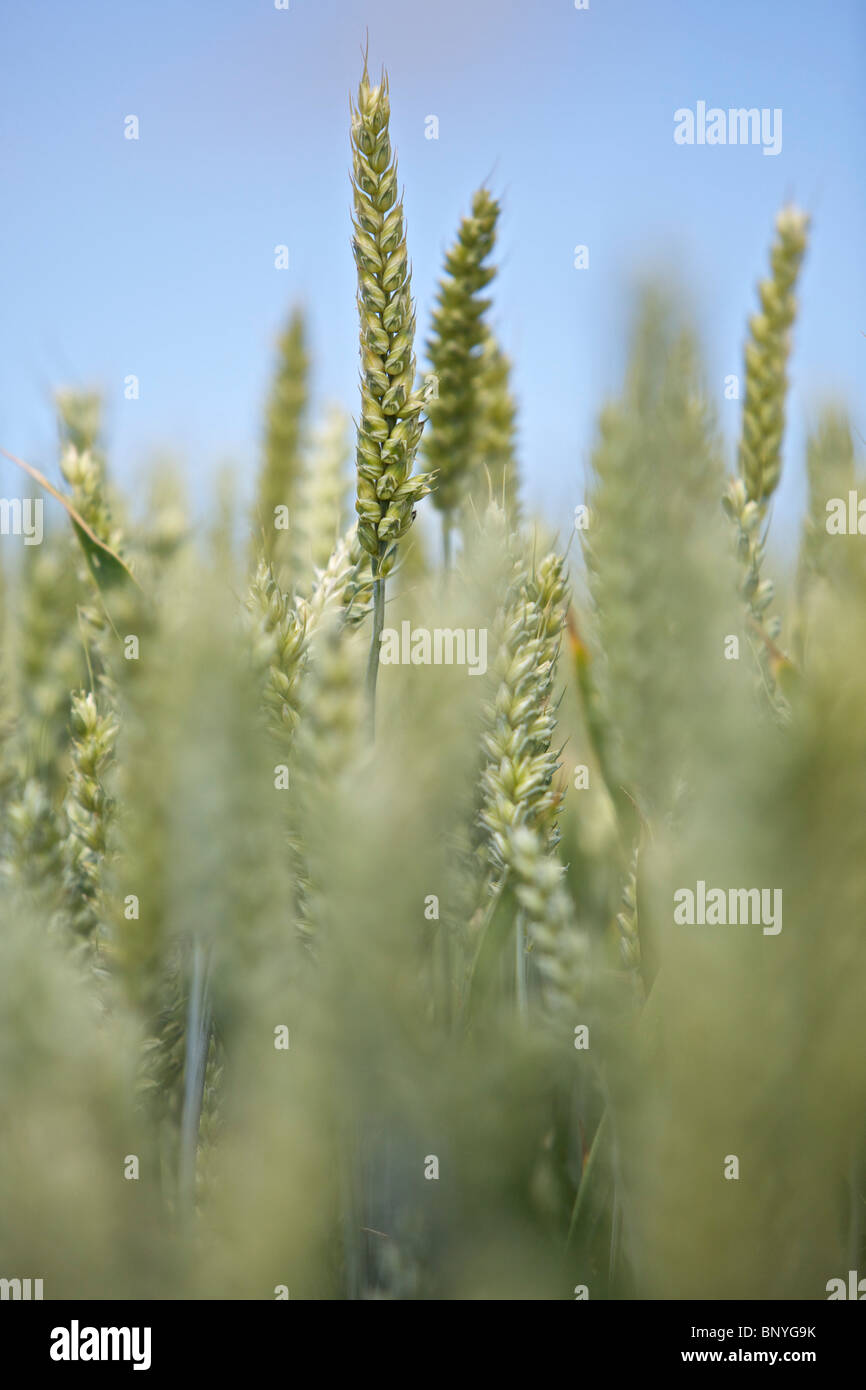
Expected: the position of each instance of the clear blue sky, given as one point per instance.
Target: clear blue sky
(155, 257)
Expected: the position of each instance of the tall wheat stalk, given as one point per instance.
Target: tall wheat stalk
(390, 427)
(748, 496)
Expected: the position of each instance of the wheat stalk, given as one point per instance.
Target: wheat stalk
(516, 784)
(389, 430)
(760, 453)
(282, 626)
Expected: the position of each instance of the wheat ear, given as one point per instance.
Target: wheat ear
(88, 810)
(390, 426)
(560, 947)
(517, 782)
(453, 350)
(280, 477)
(495, 472)
(760, 453)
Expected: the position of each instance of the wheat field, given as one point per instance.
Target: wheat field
(404, 900)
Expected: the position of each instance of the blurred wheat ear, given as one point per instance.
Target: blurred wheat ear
(281, 470)
(458, 329)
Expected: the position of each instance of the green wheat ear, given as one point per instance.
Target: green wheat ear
(654, 550)
(280, 478)
(390, 427)
(457, 337)
(322, 499)
(517, 787)
(766, 355)
(79, 420)
(760, 454)
(560, 946)
(88, 811)
(495, 469)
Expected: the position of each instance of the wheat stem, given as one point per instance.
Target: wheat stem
(197, 1046)
(375, 638)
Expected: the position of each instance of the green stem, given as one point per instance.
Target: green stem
(520, 964)
(644, 1046)
(378, 624)
(198, 1030)
(586, 1179)
(493, 903)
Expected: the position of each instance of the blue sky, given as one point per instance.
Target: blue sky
(156, 257)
